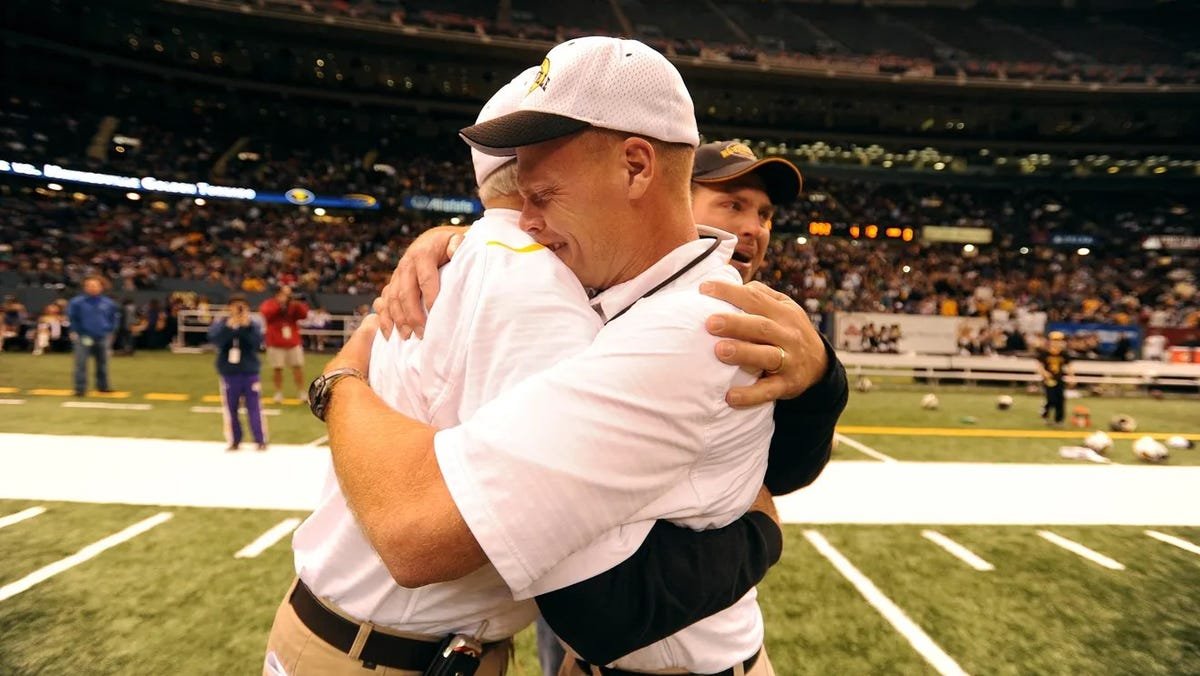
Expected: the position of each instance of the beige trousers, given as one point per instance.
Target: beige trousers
(293, 650)
(761, 668)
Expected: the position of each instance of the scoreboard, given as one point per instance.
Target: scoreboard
(861, 231)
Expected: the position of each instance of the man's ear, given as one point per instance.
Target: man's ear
(641, 163)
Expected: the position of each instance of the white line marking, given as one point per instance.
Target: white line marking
(107, 405)
(264, 541)
(864, 448)
(917, 638)
(319, 441)
(1172, 540)
(21, 516)
(11, 402)
(962, 553)
(91, 551)
(218, 409)
(1089, 554)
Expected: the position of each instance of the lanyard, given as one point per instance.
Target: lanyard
(668, 280)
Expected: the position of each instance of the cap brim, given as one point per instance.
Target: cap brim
(503, 135)
(781, 178)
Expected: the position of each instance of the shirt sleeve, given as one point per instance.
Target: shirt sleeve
(676, 578)
(520, 313)
(584, 446)
(804, 428)
(220, 334)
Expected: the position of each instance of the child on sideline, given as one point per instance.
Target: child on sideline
(238, 340)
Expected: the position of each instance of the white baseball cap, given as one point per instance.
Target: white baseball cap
(596, 81)
(503, 102)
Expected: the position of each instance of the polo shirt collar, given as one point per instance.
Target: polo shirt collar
(614, 299)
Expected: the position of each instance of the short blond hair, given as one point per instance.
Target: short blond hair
(500, 183)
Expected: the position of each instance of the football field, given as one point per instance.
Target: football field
(920, 551)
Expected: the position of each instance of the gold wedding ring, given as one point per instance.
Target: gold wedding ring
(782, 361)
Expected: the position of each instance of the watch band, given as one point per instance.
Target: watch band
(321, 389)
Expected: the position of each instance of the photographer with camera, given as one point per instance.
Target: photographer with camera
(238, 340)
(282, 313)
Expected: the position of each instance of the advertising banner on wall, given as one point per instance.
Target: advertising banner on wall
(920, 334)
(198, 189)
(1109, 334)
(444, 205)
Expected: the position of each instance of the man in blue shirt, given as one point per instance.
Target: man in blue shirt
(93, 318)
(238, 340)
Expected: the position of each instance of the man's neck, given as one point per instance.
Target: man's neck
(662, 237)
(513, 202)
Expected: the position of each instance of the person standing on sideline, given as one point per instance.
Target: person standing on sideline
(282, 313)
(238, 340)
(1052, 363)
(93, 318)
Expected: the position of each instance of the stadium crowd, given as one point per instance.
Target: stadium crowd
(1121, 47)
(52, 236)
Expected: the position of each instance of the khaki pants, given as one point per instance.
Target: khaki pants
(761, 668)
(293, 650)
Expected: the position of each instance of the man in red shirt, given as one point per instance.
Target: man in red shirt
(282, 314)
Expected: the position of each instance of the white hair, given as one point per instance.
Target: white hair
(500, 183)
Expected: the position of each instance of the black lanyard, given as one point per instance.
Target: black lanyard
(668, 280)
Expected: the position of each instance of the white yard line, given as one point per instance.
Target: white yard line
(20, 516)
(863, 448)
(322, 440)
(91, 551)
(46, 467)
(264, 541)
(107, 405)
(958, 551)
(916, 637)
(1172, 540)
(11, 402)
(218, 409)
(1089, 554)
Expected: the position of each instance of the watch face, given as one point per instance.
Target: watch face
(315, 402)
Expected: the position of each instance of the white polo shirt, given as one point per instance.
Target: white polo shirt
(633, 428)
(507, 308)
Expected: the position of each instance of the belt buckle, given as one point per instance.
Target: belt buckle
(360, 641)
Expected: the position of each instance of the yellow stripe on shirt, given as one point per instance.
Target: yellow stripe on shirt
(529, 248)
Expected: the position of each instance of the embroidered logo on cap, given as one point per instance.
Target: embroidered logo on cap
(739, 149)
(542, 78)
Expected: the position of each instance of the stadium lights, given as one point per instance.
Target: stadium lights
(968, 248)
(1024, 250)
(54, 186)
(319, 211)
(455, 221)
(939, 166)
(1160, 170)
(906, 269)
(200, 201)
(1083, 251)
(133, 196)
(801, 240)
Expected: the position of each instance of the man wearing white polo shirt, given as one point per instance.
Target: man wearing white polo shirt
(550, 480)
(346, 614)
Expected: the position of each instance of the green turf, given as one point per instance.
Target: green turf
(901, 407)
(889, 405)
(956, 449)
(174, 600)
(145, 372)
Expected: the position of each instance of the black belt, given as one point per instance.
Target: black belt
(380, 649)
(607, 671)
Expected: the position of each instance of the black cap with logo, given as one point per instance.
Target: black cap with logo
(726, 160)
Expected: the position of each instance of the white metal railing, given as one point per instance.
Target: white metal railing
(335, 334)
(1019, 369)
